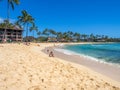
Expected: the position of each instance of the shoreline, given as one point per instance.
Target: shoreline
(25, 67)
(68, 52)
(109, 71)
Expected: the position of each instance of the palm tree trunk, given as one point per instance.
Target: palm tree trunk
(27, 32)
(8, 10)
(8, 14)
(33, 33)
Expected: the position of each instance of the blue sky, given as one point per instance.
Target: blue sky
(83, 16)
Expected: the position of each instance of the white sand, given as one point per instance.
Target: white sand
(28, 68)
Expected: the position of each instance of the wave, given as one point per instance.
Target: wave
(69, 52)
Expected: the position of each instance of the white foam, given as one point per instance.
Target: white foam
(68, 52)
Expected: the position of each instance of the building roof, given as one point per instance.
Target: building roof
(14, 28)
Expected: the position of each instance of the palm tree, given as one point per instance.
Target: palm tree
(92, 37)
(2, 25)
(46, 32)
(84, 36)
(77, 36)
(18, 24)
(38, 33)
(38, 36)
(70, 35)
(33, 28)
(51, 31)
(103, 36)
(9, 25)
(10, 3)
(65, 36)
(106, 37)
(25, 19)
(59, 36)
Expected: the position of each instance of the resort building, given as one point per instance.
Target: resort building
(14, 34)
(52, 39)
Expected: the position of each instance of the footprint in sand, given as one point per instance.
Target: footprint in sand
(34, 88)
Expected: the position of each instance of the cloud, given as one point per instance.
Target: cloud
(2, 20)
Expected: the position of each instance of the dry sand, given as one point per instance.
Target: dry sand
(28, 68)
(109, 70)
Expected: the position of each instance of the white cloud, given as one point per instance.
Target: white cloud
(2, 20)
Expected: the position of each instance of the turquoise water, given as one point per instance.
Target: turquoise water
(109, 52)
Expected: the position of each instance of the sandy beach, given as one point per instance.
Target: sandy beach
(111, 71)
(29, 68)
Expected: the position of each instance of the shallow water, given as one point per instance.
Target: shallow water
(107, 52)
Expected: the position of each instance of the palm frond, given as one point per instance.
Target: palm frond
(12, 5)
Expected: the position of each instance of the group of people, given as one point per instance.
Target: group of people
(50, 53)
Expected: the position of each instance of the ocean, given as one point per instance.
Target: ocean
(106, 52)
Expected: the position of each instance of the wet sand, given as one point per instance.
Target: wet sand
(110, 71)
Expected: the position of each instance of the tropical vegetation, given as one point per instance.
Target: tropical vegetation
(10, 3)
(50, 35)
(27, 22)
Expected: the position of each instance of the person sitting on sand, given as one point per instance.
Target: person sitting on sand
(47, 50)
(38, 45)
(51, 54)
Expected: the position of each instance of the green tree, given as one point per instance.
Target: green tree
(84, 36)
(70, 35)
(77, 36)
(9, 25)
(10, 3)
(92, 37)
(106, 38)
(59, 36)
(33, 28)
(26, 20)
(65, 36)
(2, 25)
(52, 32)
(18, 24)
(46, 32)
(38, 33)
